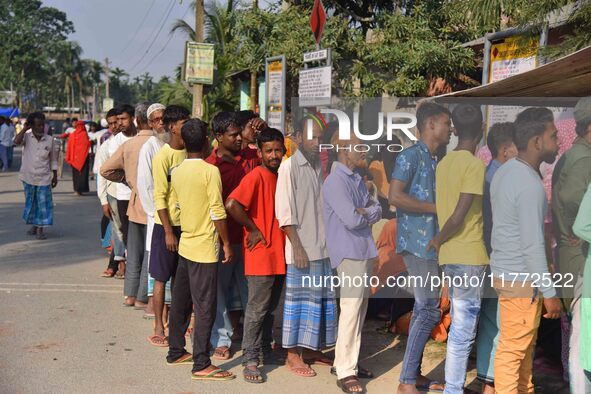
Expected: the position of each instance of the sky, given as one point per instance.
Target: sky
(114, 29)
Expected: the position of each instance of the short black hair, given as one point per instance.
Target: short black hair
(35, 115)
(270, 134)
(2, 119)
(427, 110)
(531, 123)
(194, 134)
(74, 119)
(174, 113)
(224, 120)
(126, 108)
(244, 116)
(500, 134)
(467, 120)
(113, 112)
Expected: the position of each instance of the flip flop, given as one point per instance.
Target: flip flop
(427, 387)
(349, 382)
(158, 340)
(212, 375)
(186, 358)
(119, 275)
(256, 373)
(362, 373)
(301, 371)
(319, 361)
(108, 273)
(221, 353)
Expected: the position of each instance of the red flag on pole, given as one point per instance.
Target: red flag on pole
(317, 20)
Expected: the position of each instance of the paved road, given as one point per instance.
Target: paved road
(63, 329)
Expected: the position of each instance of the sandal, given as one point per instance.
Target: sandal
(216, 374)
(430, 387)
(221, 353)
(158, 340)
(119, 275)
(252, 375)
(362, 373)
(32, 231)
(305, 372)
(319, 361)
(347, 384)
(186, 358)
(108, 273)
(41, 236)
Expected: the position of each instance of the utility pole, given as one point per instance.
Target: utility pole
(107, 77)
(254, 86)
(199, 37)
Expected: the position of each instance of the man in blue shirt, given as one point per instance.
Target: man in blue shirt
(412, 192)
(349, 212)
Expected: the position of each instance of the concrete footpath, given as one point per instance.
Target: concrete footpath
(63, 328)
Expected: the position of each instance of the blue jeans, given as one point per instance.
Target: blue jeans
(465, 294)
(231, 274)
(425, 315)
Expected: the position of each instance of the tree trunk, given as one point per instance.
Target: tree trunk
(254, 90)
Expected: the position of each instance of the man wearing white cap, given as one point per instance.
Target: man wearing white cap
(145, 182)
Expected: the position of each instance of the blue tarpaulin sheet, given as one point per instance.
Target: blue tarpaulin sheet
(4, 111)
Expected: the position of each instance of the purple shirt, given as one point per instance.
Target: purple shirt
(348, 233)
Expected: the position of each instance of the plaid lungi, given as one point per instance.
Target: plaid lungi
(38, 205)
(310, 312)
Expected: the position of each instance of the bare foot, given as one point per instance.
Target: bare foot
(296, 364)
(130, 301)
(404, 388)
(488, 388)
(140, 305)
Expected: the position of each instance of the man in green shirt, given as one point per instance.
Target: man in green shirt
(571, 177)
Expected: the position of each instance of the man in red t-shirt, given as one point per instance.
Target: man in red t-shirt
(234, 163)
(252, 204)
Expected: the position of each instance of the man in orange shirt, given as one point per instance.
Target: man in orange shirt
(252, 205)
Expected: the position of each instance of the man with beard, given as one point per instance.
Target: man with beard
(234, 163)
(252, 205)
(145, 183)
(165, 215)
(518, 259)
(105, 191)
(310, 312)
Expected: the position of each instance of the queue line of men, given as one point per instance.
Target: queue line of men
(289, 207)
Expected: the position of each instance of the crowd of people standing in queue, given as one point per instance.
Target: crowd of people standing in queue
(198, 232)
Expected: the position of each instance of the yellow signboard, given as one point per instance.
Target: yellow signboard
(198, 63)
(512, 56)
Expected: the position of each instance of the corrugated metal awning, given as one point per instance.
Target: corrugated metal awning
(559, 83)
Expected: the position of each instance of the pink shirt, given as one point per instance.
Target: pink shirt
(39, 159)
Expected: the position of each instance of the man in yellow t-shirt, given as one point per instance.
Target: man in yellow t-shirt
(460, 243)
(197, 192)
(167, 227)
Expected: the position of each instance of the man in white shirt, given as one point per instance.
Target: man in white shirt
(109, 204)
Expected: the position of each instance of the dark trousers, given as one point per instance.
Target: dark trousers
(264, 293)
(80, 178)
(122, 209)
(194, 289)
(114, 265)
